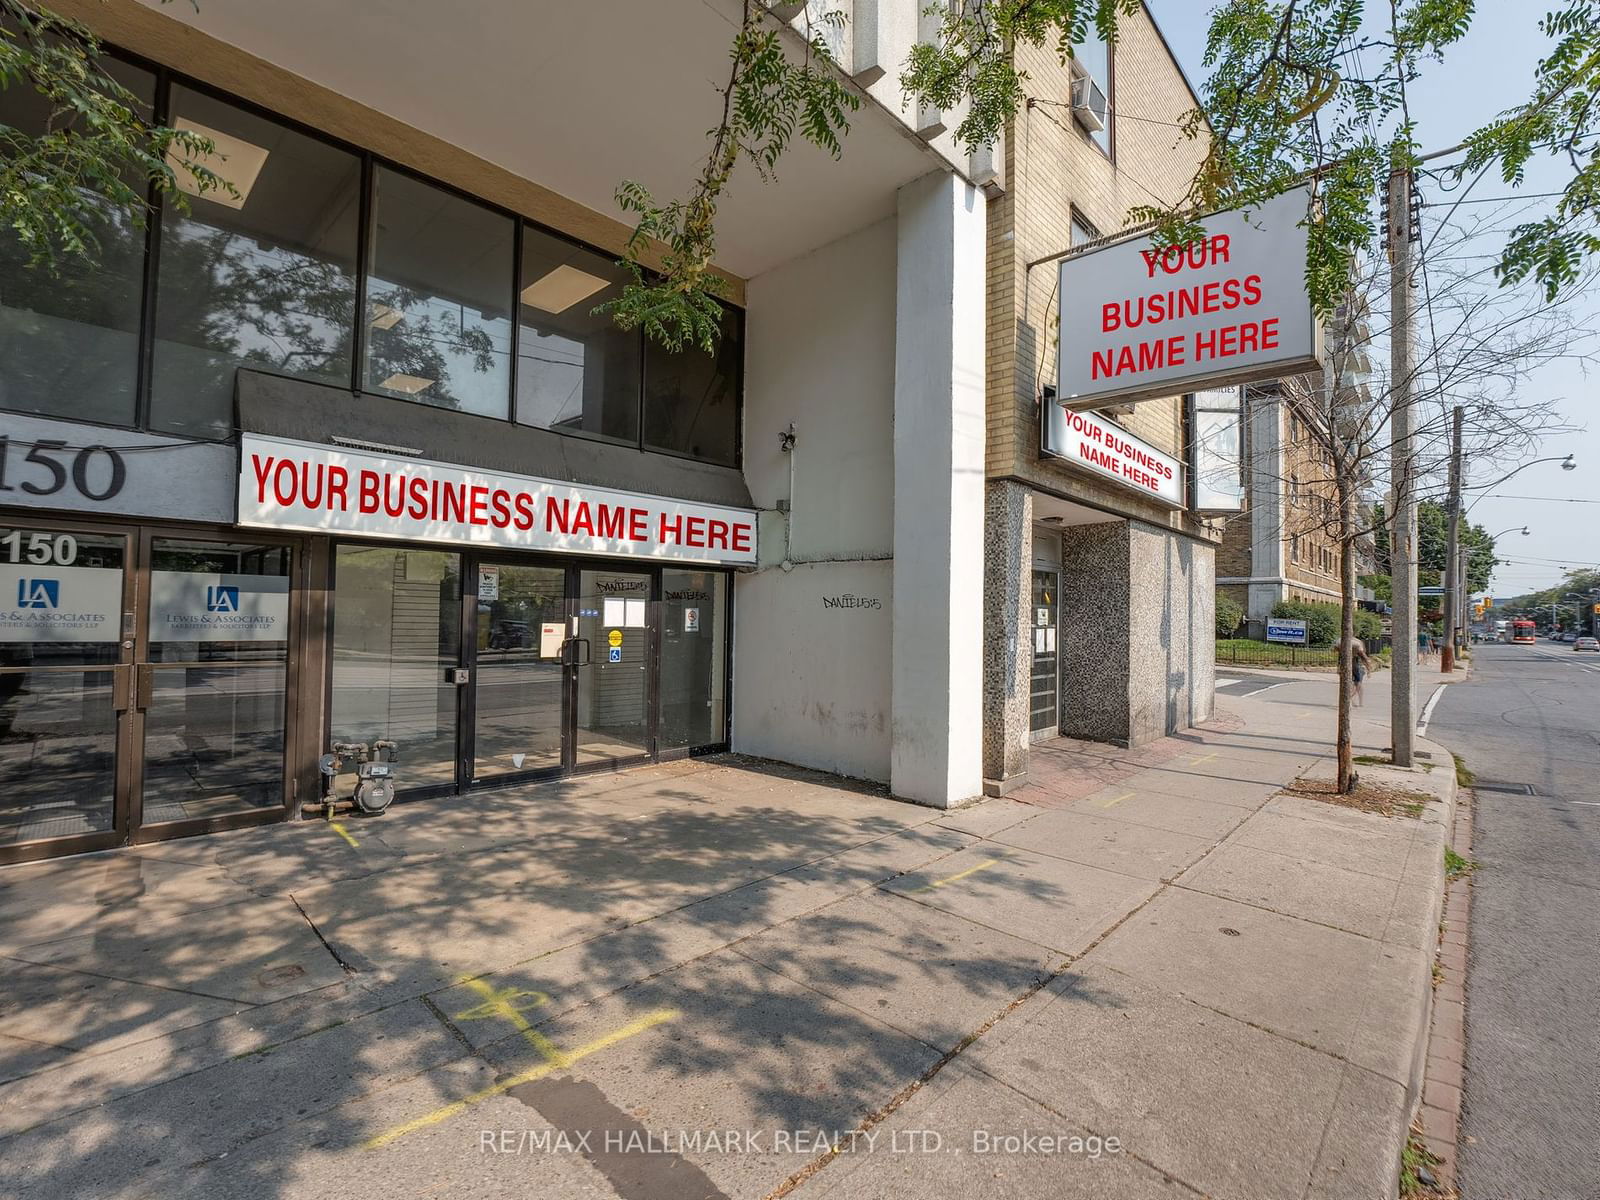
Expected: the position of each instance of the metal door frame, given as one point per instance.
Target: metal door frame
(128, 774)
(1054, 729)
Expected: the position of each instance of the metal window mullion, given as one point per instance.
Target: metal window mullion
(366, 235)
(144, 370)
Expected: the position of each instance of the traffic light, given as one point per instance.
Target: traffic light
(1488, 602)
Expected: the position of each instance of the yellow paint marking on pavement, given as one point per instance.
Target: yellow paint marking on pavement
(1206, 758)
(633, 1029)
(343, 832)
(939, 883)
(1115, 800)
(500, 1004)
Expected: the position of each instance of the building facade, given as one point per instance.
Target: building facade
(343, 454)
(1099, 589)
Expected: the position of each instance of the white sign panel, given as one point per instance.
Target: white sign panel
(323, 489)
(1139, 322)
(192, 606)
(1107, 449)
(60, 604)
(488, 583)
(1281, 629)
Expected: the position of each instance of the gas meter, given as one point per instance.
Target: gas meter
(374, 769)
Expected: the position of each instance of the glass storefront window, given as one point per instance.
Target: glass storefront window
(265, 279)
(396, 631)
(61, 598)
(69, 339)
(439, 298)
(576, 371)
(694, 659)
(691, 398)
(214, 687)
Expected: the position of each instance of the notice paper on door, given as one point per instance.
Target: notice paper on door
(551, 635)
(614, 611)
(634, 612)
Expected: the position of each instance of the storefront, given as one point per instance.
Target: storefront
(160, 680)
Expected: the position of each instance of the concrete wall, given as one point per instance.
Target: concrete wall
(1171, 626)
(937, 696)
(1138, 620)
(812, 644)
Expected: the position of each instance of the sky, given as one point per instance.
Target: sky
(1486, 72)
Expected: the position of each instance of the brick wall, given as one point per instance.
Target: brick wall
(1054, 169)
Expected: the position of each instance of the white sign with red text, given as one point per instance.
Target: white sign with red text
(1139, 322)
(323, 489)
(1093, 442)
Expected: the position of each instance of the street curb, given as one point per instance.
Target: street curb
(1444, 1073)
(1428, 1011)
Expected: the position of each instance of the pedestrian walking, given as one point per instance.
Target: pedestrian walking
(1360, 668)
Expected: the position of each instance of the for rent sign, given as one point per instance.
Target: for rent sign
(1095, 443)
(321, 489)
(1138, 321)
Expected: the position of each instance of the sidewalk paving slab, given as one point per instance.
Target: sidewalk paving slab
(1229, 1109)
(1079, 835)
(1048, 901)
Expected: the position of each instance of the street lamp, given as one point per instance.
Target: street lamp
(1569, 463)
(1514, 529)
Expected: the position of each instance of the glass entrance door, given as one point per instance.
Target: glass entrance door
(1045, 693)
(520, 680)
(612, 654)
(212, 678)
(64, 688)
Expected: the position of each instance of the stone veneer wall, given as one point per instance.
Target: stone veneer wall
(1094, 648)
(1171, 627)
(1007, 651)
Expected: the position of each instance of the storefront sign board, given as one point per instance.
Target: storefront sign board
(190, 606)
(43, 604)
(285, 484)
(1139, 321)
(1097, 444)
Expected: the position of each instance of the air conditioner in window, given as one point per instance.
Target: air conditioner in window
(1088, 103)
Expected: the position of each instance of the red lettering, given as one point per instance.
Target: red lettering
(1269, 334)
(583, 520)
(717, 535)
(1252, 289)
(338, 485)
(555, 517)
(696, 532)
(1100, 364)
(1110, 317)
(671, 529)
(525, 511)
(394, 494)
(417, 490)
(263, 468)
(610, 523)
(455, 502)
(741, 536)
(367, 484)
(501, 502)
(478, 506)
(638, 524)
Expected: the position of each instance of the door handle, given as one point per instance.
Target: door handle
(122, 686)
(574, 643)
(144, 685)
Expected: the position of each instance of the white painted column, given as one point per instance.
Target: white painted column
(937, 687)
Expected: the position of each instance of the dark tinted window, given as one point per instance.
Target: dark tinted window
(265, 278)
(69, 339)
(439, 298)
(576, 371)
(691, 402)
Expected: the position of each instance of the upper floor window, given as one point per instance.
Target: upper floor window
(260, 276)
(1091, 87)
(69, 339)
(691, 402)
(439, 297)
(266, 275)
(576, 371)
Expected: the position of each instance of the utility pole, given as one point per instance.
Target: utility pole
(1401, 235)
(1454, 583)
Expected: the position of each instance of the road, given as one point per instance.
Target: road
(1531, 1121)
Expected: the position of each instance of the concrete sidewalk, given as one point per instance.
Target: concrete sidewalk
(1144, 974)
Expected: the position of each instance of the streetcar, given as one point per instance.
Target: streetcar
(1522, 633)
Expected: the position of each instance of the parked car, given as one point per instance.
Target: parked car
(1586, 643)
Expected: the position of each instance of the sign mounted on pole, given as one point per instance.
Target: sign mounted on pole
(1138, 321)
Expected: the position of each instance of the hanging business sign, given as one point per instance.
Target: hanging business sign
(1096, 444)
(323, 489)
(1138, 321)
